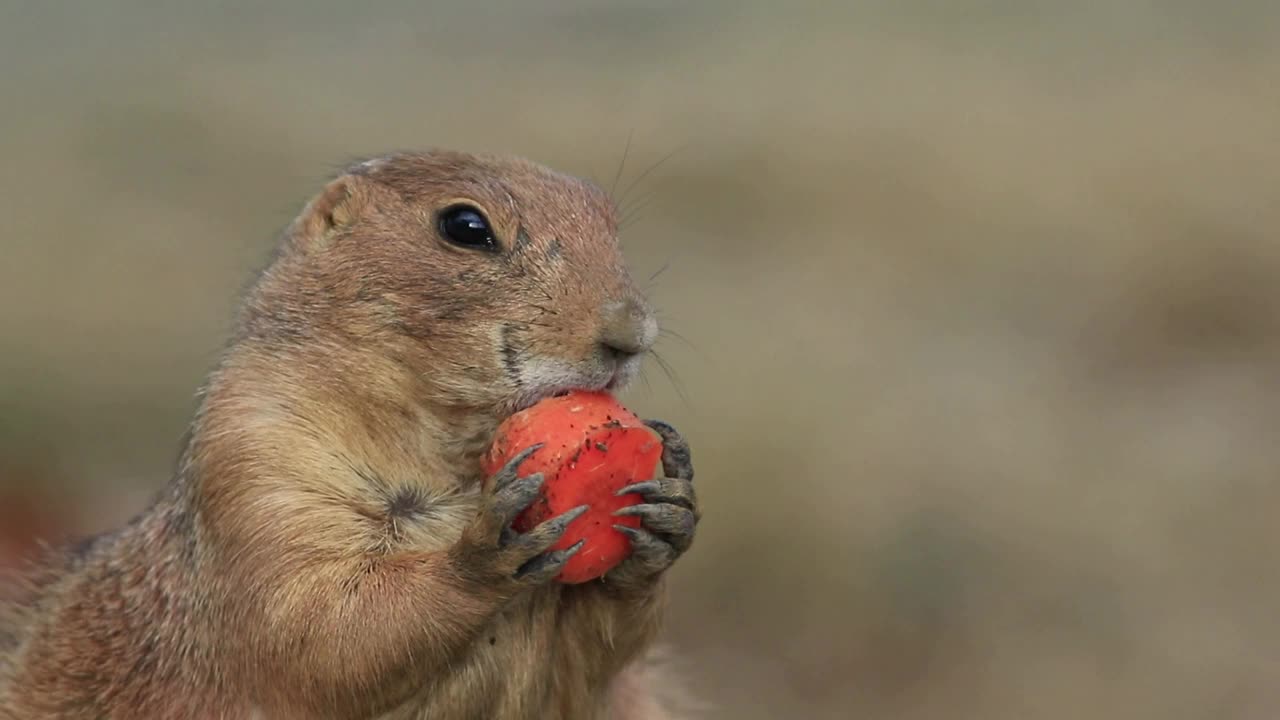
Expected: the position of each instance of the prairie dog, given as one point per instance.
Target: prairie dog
(328, 546)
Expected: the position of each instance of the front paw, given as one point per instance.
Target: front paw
(495, 556)
(668, 516)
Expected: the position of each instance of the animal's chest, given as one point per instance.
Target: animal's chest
(516, 668)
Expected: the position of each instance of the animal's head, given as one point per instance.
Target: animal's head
(498, 280)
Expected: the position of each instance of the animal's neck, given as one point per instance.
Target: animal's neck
(372, 407)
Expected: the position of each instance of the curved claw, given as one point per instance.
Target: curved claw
(545, 566)
(510, 471)
(514, 497)
(549, 532)
(663, 518)
(674, 522)
(647, 548)
(664, 490)
(677, 462)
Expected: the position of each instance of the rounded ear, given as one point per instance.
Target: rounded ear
(332, 210)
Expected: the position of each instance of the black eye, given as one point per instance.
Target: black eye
(466, 226)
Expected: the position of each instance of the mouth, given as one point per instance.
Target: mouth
(611, 382)
(616, 381)
(533, 396)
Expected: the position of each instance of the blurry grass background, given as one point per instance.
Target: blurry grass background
(982, 301)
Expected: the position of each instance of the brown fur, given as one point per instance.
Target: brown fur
(313, 556)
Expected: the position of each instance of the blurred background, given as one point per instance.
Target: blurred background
(981, 301)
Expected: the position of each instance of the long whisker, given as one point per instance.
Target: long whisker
(646, 173)
(644, 378)
(626, 150)
(658, 273)
(653, 281)
(628, 207)
(635, 213)
(666, 332)
(671, 375)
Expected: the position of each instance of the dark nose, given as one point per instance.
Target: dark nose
(627, 328)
